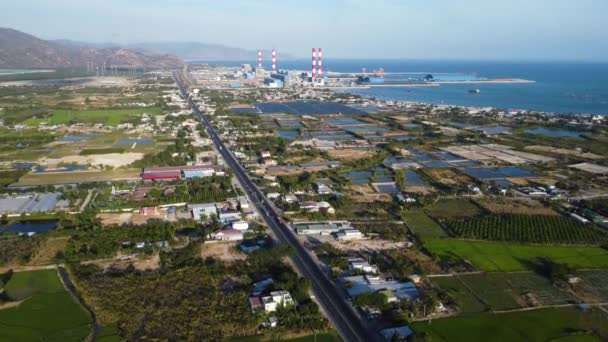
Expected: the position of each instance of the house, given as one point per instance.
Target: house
(228, 215)
(255, 303)
(325, 207)
(265, 154)
(358, 264)
(289, 198)
(240, 225)
(260, 286)
(243, 202)
(276, 298)
(349, 234)
(309, 206)
(229, 235)
(273, 195)
(397, 334)
(322, 189)
(270, 162)
(415, 278)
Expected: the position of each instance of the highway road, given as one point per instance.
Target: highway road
(348, 324)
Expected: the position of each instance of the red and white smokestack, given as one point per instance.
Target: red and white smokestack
(274, 60)
(314, 62)
(320, 73)
(259, 58)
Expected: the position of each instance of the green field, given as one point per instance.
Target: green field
(452, 208)
(527, 229)
(109, 333)
(501, 291)
(108, 117)
(422, 225)
(565, 324)
(47, 311)
(499, 256)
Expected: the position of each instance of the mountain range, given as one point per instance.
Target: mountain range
(23, 51)
(19, 50)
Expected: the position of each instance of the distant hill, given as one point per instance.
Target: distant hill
(199, 51)
(23, 51)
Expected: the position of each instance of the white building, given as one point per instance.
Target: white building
(276, 298)
(203, 211)
(349, 234)
(240, 225)
(358, 264)
(229, 235)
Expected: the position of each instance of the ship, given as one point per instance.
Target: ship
(474, 91)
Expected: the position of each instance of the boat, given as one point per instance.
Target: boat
(474, 91)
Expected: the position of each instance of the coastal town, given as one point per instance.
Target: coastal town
(387, 171)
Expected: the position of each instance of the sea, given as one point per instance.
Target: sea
(559, 87)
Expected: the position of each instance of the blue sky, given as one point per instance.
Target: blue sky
(414, 29)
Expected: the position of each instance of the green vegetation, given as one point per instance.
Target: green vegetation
(37, 318)
(501, 291)
(211, 296)
(90, 151)
(423, 226)
(452, 208)
(18, 249)
(537, 325)
(495, 256)
(99, 243)
(108, 117)
(527, 229)
(10, 177)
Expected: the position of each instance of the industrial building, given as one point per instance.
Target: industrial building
(179, 172)
(321, 228)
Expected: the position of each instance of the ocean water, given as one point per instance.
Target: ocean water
(560, 87)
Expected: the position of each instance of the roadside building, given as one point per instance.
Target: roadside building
(203, 211)
(240, 225)
(321, 227)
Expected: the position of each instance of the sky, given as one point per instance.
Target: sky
(408, 29)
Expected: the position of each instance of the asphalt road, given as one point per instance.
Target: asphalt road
(348, 324)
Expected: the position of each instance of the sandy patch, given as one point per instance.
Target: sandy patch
(225, 251)
(109, 159)
(369, 245)
(350, 154)
(108, 219)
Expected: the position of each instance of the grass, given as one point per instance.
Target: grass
(49, 178)
(499, 256)
(422, 225)
(108, 117)
(109, 333)
(565, 324)
(452, 208)
(48, 312)
(90, 151)
(466, 301)
(501, 291)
